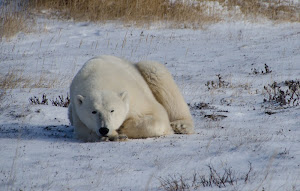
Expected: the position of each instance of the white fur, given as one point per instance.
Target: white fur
(168, 94)
(105, 84)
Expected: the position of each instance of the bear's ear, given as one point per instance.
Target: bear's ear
(79, 99)
(124, 96)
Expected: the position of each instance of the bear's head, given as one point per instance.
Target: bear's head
(103, 112)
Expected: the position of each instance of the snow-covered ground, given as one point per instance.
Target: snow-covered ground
(38, 151)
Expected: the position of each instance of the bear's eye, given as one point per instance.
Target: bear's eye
(112, 111)
(94, 112)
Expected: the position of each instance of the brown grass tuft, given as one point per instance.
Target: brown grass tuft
(185, 13)
(15, 79)
(177, 13)
(12, 24)
(273, 10)
(139, 12)
(13, 19)
(12, 80)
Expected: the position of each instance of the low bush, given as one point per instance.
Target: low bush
(286, 93)
(267, 70)
(220, 83)
(60, 101)
(215, 178)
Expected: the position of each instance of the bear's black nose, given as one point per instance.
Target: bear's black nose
(103, 131)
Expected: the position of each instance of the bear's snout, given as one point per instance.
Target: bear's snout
(103, 131)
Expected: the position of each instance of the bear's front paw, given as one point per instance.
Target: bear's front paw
(182, 127)
(120, 137)
(104, 138)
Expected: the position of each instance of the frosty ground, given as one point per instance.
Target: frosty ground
(234, 127)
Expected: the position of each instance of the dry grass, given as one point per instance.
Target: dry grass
(14, 18)
(282, 10)
(12, 24)
(189, 13)
(16, 79)
(139, 12)
(12, 80)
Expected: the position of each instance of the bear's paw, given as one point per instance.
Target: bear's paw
(182, 127)
(120, 137)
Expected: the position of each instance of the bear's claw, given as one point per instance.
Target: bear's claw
(120, 137)
(182, 127)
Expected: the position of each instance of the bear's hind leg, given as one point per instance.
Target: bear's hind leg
(166, 92)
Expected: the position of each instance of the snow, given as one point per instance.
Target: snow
(38, 151)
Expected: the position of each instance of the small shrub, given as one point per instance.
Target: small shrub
(60, 101)
(200, 106)
(173, 183)
(214, 179)
(267, 70)
(215, 117)
(276, 94)
(220, 83)
(36, 101)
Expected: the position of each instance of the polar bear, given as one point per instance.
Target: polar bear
(113, 99)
